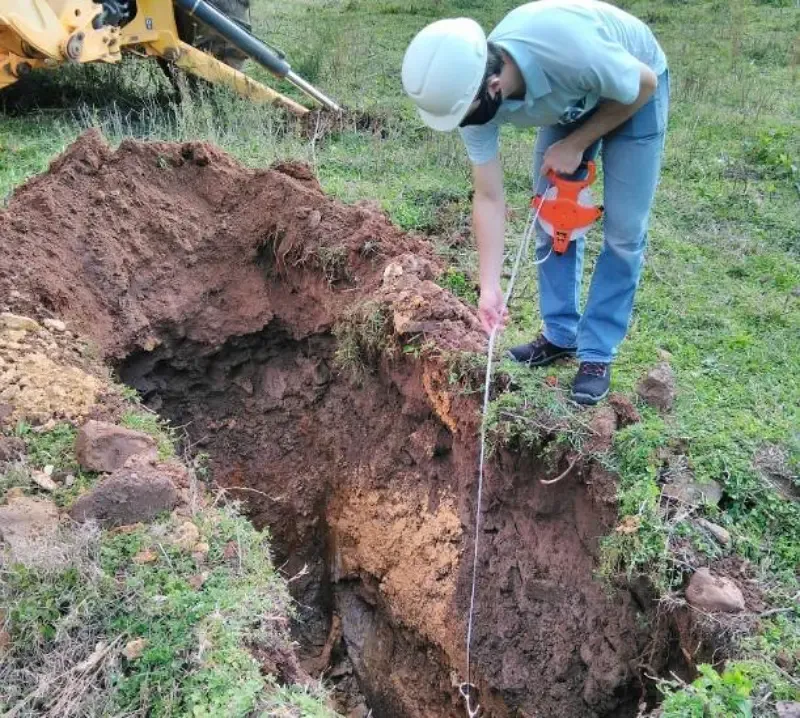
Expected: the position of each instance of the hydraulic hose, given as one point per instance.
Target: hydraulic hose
(252, 47)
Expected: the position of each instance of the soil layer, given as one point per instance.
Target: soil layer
(216, 291)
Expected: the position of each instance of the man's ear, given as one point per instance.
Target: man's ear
(494, 85)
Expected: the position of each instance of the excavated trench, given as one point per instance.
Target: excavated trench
(221, 294)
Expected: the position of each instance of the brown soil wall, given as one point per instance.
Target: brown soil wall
(215, 291)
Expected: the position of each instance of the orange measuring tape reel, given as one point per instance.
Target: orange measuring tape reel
(566, 209)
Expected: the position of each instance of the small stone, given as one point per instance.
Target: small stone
(197, 581)
(629, 525)
(145, 556)
(714, 593)
(43, 481)
(693, 493)
(657, 388)
(18, 323)
(55, 325)
(69, 480)
(134, 649)
(49, 469)
(106, 447)
(722, 536)
(786, 709)
(150, 343)
(129, 495)
(602, 426)
(664, 355)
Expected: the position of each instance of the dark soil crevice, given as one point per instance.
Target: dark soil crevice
(208, 286)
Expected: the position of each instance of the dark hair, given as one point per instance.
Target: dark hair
(494, 61)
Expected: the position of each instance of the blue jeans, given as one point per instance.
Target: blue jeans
(631, 157)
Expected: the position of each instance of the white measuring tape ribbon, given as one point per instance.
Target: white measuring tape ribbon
(466, 688)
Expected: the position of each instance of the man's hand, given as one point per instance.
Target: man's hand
(563, 157)
(492, 310)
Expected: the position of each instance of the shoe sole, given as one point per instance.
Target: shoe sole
(544, 362)
(588, 399)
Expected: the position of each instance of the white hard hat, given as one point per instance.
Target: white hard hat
(443, 69)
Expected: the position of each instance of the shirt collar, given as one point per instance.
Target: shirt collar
(536, 82)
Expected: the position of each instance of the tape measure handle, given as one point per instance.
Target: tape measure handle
(591, 174)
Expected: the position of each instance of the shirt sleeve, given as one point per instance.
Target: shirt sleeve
(482, 142)
(612, 71)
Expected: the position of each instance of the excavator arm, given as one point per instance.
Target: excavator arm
(42, 33)
(46, 33)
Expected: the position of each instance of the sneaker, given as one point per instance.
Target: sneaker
(591, 382)
(539, 352)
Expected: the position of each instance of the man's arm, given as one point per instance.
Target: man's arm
(565, 156)
(488, 222)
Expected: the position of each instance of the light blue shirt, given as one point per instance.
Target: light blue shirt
(572, 54)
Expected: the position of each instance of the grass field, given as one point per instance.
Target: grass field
(720, 293)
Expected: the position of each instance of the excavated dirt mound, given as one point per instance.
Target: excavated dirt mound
(216, 291)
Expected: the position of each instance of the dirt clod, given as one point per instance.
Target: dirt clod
(130, 494)
(134, 649)
(714, 593)
(26, 522)
(106, 447)
(657, 387)
(11, 448)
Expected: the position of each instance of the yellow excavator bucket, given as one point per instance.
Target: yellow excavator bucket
(47, 33)
(41, 33)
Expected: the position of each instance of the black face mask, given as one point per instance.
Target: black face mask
(487, 108)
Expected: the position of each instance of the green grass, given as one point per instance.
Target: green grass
(54, 447)
(719, 292)
(145, 421)
(195, 659)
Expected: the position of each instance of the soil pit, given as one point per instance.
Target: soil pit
(219, 293)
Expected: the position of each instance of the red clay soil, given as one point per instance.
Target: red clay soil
(215, 291)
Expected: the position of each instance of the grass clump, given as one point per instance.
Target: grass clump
(153, 425)
(55, 447)
(362, 335)
(174, 618)
(711, 695)
(52, 447)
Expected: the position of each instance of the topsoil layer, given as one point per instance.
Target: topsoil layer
(216, 290)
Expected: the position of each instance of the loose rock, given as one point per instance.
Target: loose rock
(714, 593)
(106, 447)
(722, 536)
(132, 494)
(55, 325)
(788, 710)
(657, 388)
(42, 480)
(134, 649)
